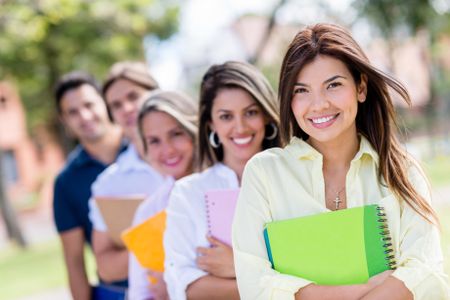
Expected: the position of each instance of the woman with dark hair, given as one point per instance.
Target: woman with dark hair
(238, 118)
(337, 113)
(167, 124)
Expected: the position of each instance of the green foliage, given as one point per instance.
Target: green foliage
(41, 40)
(389, 15)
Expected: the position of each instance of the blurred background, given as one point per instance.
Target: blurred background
(42, 39)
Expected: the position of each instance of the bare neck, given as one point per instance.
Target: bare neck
(237, 167)
(105, 148)
(136, 140)
(337, 154)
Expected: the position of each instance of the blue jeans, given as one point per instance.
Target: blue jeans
(108, 292)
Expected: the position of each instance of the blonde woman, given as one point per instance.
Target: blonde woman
(167, 124)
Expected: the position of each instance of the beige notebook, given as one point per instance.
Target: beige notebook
(118, 213)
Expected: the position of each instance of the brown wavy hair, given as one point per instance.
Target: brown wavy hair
(376, 116)
(233, 74)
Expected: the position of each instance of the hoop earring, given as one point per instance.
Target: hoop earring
(274, 132)
(212, 140)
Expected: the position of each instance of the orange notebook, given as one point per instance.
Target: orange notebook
(145, 241)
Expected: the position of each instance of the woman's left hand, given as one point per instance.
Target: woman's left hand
(217, 260)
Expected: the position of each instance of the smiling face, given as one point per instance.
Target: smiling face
(124, 99)
(239, 123)
(170, 148)
(84, 113)
(325, 100)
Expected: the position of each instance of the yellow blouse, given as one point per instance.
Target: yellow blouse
(285, 183)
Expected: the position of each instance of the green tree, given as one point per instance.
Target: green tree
(397, 19)
(41, 40)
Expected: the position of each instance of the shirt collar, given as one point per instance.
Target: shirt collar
(365, 148)
(130, 160)
(82, 157)
(227, 173)
(302, 150)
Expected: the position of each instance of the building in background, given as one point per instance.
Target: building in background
(30, 164)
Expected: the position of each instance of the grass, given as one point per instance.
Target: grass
(34, 270)
(438, 170)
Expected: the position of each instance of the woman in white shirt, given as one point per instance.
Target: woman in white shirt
(337, 112)
(238, 118)
(167, 124)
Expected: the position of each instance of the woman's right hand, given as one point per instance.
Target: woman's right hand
(217, 260)
(378, 279)
(158, 286)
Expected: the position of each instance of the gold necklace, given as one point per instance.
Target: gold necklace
(337, 200)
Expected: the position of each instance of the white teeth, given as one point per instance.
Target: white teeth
(243, 141)
(172, 160)
(322, 120)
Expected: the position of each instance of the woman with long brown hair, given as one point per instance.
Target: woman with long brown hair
(337, 114)
(237, 119)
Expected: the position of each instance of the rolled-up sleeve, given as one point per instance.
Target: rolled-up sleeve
(255, 277)
(419, 257)
(180, 244)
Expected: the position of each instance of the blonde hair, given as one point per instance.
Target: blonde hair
(134, 71)
(177, 105)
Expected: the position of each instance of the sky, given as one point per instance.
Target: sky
(205, 36)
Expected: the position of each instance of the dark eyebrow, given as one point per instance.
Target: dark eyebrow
(326, 81)
(334, 78)
(245, 108)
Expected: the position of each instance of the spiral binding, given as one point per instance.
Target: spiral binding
(208, 219)
(385, 237)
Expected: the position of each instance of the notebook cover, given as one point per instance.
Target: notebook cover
(145, 241)
(220, 207)
(118, 213)
(333, 248)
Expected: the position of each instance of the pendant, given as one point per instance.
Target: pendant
(337, 201)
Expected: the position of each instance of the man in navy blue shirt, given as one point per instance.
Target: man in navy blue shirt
(83, 113)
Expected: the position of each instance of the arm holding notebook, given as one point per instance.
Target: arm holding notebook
(185, 278)
(112, 260)
(212, 287)
(419, 256)
(217, 260)
(256, 278)
(357, 291)
(179, 246)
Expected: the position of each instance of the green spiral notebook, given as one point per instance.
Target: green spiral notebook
(334, 248)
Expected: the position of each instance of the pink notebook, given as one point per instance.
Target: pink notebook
(220, 206)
